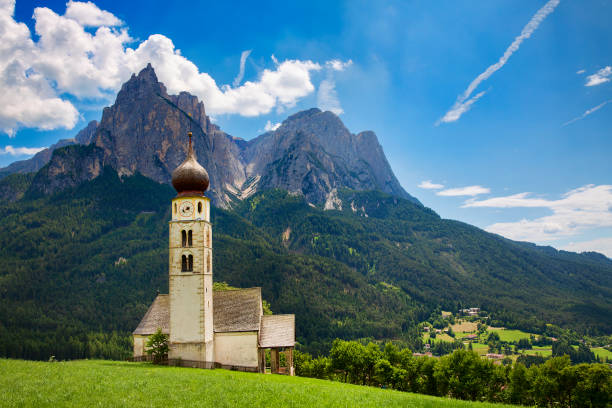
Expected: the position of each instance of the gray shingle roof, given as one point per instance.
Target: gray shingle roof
(234, 311)
(158, 316)
(237, 310)
(277, 331)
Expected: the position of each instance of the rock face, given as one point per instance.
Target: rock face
(311, 153)
(69, 167)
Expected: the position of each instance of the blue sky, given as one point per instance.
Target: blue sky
(398, 68)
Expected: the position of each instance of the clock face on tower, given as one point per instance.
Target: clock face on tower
(186, 209)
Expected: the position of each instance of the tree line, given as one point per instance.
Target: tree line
(463, 375)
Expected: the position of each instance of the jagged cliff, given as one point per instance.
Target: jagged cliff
(311, 153)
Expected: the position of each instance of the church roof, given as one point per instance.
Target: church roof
(158, 316)
(237, 310)
(277, 331)
(234, 311)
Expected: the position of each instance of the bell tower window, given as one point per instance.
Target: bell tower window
(187, 263)
(200, 207)
(189, 238)
(183, 238)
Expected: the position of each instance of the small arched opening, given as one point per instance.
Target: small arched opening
(190, 263)
(184, 263)
(183, 238)
(189, 238)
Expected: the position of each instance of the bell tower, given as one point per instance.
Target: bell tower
(190, 264)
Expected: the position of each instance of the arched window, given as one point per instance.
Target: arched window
(190, 263)
(183, 238)
(184, 263)
(189, 238)
(199, 207)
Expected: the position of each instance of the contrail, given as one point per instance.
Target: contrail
(243, 57)
(588, 112)
(463, 102)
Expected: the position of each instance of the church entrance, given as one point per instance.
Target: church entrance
(276, 360)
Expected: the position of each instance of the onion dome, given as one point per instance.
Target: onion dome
(190, 178)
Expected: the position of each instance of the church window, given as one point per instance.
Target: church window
(183, 238)
(190, 263)
(184, 263)
(189, 238)
(199, 207)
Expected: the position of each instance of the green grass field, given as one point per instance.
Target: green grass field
(602, 352)
(117, 384)
(544, 351)
(510, 335)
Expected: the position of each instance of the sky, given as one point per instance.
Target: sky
(495, 113)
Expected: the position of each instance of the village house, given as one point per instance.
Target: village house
(209, 328)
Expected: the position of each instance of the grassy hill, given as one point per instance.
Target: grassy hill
(110, 384)
(374, 269)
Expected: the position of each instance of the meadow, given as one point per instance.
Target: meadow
(115, 384)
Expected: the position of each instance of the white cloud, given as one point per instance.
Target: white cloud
(428, 185)
(464, 191)
(586, 207)
(601, 245)
(464, 102)
(327, 97)
(26, 97)
(20, 151)
(588, 112)
(580, 71)
(243, 57)
(271, 127)
(89, 15)
(338, 65)
(66, 59)
(598, 78)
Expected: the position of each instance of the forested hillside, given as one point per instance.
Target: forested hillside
(80, 268)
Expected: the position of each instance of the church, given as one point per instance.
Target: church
(209, 328)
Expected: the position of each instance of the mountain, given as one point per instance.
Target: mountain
(80, 268)
(313, 153)
(41, 158)
(144, 131)
(310, 212)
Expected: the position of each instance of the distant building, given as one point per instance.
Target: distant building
(209, 328)
(495, 356)
(472, 311)
(470, 337)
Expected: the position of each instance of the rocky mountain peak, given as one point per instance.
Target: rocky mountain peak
(312, 153)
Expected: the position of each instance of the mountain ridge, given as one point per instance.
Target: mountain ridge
(144, 131)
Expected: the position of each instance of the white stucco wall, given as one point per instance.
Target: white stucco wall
(186, 309)
(139, 345)
(238, 349)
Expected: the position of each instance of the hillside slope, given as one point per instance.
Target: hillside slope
(373, 269)
(106, 383)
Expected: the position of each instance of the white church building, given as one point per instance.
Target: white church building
(209, 328)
